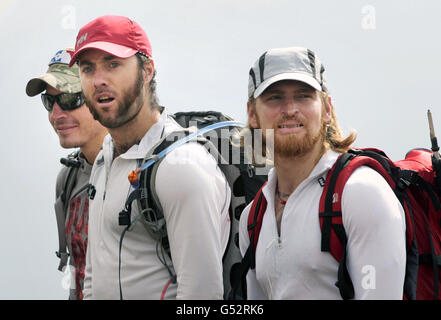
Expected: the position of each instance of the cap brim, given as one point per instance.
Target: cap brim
(111, 48)
(306, 78)
(39, 84)
(35, 86)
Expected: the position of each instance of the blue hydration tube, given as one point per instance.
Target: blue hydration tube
(188, 138)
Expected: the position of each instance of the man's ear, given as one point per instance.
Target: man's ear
(327, 110)
(149, 68)
(252, 116)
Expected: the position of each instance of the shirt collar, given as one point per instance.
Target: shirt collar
(138, 151)
(151, 137)
(321, 168)
(85, 167)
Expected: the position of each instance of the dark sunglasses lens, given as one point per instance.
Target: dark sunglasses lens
(70, 101)
(48, 101)
(66, 101)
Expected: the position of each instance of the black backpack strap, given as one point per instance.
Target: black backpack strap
(239, 273)
(238, 276)
(62, 205)
(436, 165)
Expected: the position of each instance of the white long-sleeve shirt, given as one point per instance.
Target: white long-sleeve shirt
(292, 266)
(195, 198)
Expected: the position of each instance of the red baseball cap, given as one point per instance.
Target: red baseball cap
(116, 35)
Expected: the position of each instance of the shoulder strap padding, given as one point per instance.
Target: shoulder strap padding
(67, 179)
(330, 201)
(255, 218)
(334, 238)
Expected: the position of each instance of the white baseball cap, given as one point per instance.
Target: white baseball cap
(293, 63)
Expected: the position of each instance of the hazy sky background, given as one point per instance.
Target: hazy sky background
(382, 61)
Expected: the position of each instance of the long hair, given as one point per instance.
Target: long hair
(142, 60)
(333, 135)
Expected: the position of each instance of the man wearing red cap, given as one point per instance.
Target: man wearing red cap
(75, 128)
(117, 77)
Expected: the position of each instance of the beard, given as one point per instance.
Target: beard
(127, 109)
(291, 145)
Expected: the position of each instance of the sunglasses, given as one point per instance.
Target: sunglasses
(66, 101)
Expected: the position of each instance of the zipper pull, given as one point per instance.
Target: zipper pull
(91, 191)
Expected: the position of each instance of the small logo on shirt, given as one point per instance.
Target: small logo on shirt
(335, 198)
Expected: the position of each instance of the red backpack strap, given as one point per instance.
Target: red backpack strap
(334, 238)
(329, 216)
(330, 201)
(255, 218)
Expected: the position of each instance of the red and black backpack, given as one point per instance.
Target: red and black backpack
(416, 181)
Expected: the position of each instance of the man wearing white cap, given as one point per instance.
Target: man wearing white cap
(117, 77)
(76, 128)
(289, 101)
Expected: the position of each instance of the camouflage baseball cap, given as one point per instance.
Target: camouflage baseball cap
(58, 75)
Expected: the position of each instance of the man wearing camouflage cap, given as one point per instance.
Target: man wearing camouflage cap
(76, 128)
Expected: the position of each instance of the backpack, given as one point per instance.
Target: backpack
(68, 179)
(242, 179)
(416, 181)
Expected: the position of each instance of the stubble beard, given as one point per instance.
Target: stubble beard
(128, 108)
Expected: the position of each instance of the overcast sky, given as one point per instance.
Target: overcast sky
(382, 62)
